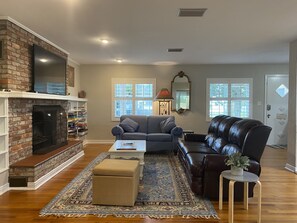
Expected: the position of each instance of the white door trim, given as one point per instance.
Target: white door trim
(266, 121)
(265, 103)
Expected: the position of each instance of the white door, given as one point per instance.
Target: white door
(276, 115)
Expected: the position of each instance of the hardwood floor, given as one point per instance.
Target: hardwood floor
(279, 196)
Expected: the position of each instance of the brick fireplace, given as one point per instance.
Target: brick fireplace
(24, 166)
(16, 76)
(20, 125)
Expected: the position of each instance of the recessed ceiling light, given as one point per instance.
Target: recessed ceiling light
(104, 41)
(119, 60)
(43, 60)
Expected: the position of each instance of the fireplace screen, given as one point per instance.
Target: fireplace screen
(49, 128)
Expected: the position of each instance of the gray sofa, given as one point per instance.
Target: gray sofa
(160, 132)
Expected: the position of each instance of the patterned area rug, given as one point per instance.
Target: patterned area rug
(164, 192)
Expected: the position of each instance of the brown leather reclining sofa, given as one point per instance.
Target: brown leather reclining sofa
(203, 156)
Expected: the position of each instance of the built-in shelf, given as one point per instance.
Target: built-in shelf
(3, 136)
(77, 120)
(5, 96)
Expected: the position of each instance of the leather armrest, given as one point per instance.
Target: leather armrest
(216, 162)
(195, 137)
(117, 130)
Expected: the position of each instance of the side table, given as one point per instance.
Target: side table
(188, 131)
(246, 178)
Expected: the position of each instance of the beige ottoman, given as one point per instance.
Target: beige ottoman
(115, 182)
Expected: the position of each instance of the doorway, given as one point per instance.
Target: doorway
(276, 111)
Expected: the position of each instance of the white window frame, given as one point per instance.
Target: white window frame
(229, 81)
(133, 81)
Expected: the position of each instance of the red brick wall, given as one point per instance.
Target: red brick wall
(20, 125)
(3, 62)
(16, 75)
(16, 67)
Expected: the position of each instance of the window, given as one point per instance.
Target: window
(229, 96)
(182, 98)
(132, 97)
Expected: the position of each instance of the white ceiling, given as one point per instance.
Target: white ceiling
(140, 31)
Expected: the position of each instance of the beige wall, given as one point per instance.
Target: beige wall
(96, 81)
(73, 91)
(291, 155)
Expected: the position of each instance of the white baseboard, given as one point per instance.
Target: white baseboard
(4, 188)
(35, 185)
(99, 141)
(291, 168)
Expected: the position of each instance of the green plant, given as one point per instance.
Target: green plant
(237, 160)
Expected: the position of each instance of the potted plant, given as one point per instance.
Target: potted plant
(238, 163)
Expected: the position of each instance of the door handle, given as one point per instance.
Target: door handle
(268, 116)
(268, 107)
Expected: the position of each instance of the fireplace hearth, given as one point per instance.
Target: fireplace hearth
(49, 128)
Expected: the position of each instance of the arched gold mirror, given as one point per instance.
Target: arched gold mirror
(181, 93)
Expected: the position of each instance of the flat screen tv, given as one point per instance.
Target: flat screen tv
(49, 72)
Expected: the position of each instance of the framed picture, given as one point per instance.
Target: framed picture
(71, 76)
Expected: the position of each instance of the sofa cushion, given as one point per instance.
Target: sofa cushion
(223, 133)
(225, 125)
(167, 124)
(140, 119)
(159, 137)
(210, 138)
(129, 125)
(153, 123)
(230, 149)
(214, 123)
(134, 136)
(195, 147)
(239, 130)
(218, 144)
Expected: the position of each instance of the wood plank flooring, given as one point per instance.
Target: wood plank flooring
(279, 196)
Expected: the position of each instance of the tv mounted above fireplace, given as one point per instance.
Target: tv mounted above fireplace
(49, 72)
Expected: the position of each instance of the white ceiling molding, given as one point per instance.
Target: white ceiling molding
(32, 32)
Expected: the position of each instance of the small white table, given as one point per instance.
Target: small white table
(246, 178)
(129, 149)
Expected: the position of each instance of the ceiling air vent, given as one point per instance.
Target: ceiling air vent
(191, 12)
(175, 50)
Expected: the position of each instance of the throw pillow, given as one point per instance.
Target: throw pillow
(167, 124)
(129, 125)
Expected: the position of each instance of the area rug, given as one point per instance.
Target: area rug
(163, 193)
